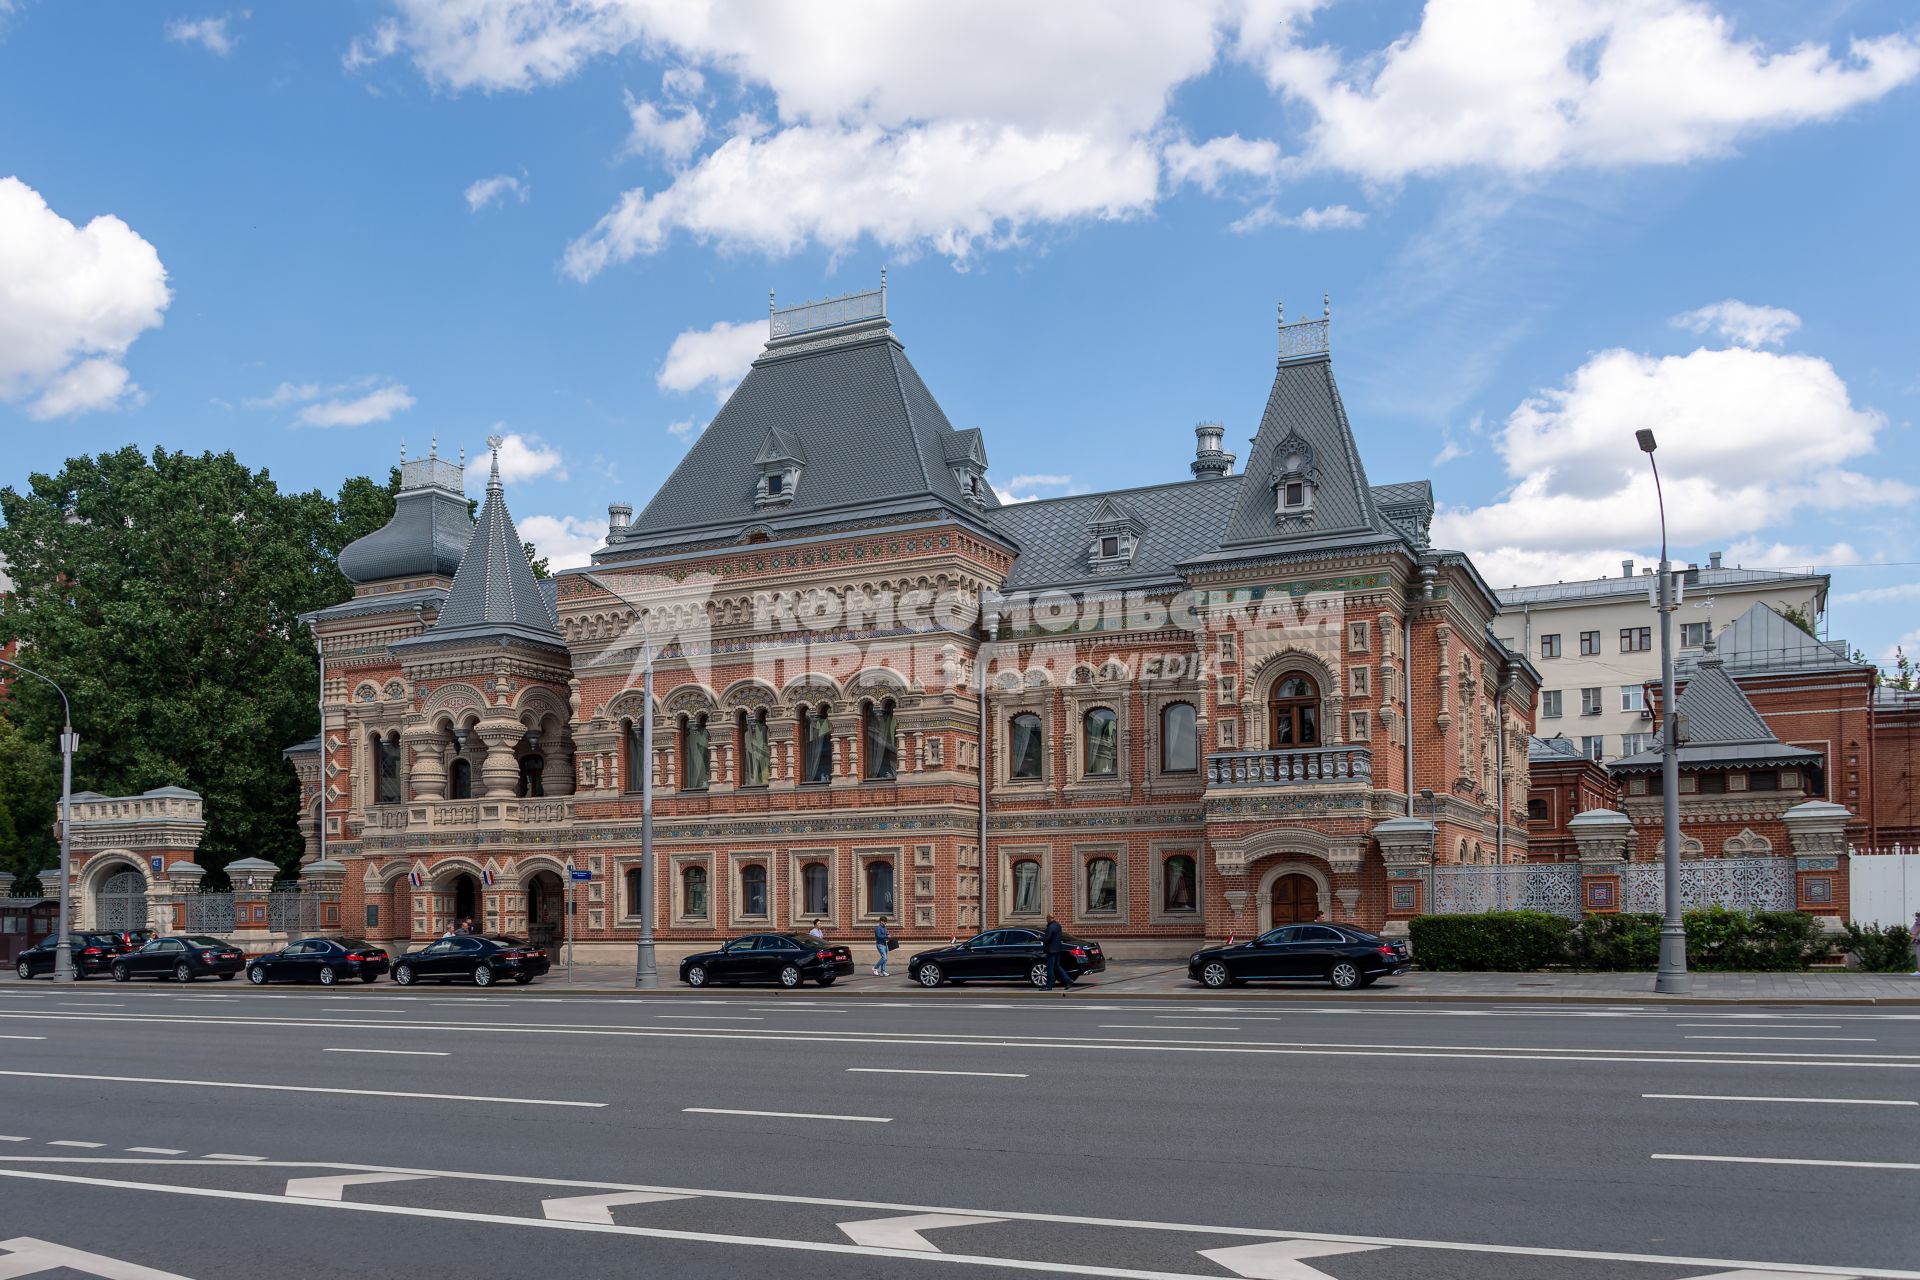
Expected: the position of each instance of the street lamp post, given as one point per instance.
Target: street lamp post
(1671, 977)
(646, 973)
(69, 743)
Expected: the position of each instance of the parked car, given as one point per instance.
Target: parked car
(182, 957)
(789, 959)
(92, 955)
(322, 960)
(134, 939)
(1335, 953)
(1000, 954)
(485, 960)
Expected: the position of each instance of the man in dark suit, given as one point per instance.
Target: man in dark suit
(1056, 948)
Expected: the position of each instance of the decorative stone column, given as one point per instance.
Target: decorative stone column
(421, 747)
(1406, 845)
(1604, 838)
(326, 882)
(1344, 860)
(499, 770)
(1818, 830)
(252, 883)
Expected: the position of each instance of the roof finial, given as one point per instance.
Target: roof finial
(433, 445)
(1326, 306)
(493, 480)
(1280, 309)
(403, 451)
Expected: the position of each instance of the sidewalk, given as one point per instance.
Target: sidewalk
(1152, 979)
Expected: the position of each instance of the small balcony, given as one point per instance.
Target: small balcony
(1290, 766)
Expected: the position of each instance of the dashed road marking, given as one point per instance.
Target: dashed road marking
(784, 1115)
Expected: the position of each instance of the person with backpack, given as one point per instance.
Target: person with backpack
(883, 944)
(1054, 943)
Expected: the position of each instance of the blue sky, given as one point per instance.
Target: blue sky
(306, 233)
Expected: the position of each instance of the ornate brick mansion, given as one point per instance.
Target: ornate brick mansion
(1211, 703)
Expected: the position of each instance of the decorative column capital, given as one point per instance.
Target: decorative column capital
(1602, 835)
(1405, 842)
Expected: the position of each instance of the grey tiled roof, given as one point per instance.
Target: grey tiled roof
(495, 591)
(387, 602)
(427, 535)
(1305, 402)
(1722, 728)
(1407, 493)
(1177, 522)
(1762, 640)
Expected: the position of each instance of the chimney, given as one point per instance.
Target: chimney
(1713, 560)
(619, 516)
(1210, 462)
(1626, 568)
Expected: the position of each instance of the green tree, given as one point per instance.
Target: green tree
(29, 799)
(536, 561)
(1799, 617)
(1903, 675)
(164, 594)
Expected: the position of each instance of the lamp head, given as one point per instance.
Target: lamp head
(1645, 437)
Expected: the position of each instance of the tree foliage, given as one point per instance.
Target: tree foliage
(163, 593)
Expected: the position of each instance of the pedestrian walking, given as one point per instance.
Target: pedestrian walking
(1056, 948)
(817, 933)
(1913, 936)
(883, 944)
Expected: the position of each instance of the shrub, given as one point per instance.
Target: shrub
(1615, 942)
(1888, 950)
(1502, 941)
(1765, 940)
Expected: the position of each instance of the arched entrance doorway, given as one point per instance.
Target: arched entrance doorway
(1296, 899)
(546, 905)
(466, 901)
(120, 903)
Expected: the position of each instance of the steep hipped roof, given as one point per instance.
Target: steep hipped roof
(1176, 522)
(1304, 407)
(1722, 728)
(495, 592)
(428, 531)
(1762, 639)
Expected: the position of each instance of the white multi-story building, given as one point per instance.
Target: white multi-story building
(1596, 641)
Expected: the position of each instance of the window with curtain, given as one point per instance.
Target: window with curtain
(633, 891)
(753, 890)
(634, 765)
(813, 889)
(1179, 738)
(883, 755)
(460, 780)
(1177, 881)
(818, 734)
(879, 888)
(1294, 707)
(696, 760)
(1101, 729)
(1027, 745)
(755, 755)
(1103, 885)
(386, 762)
(1026, 888)
(693, 892)
(533, 770)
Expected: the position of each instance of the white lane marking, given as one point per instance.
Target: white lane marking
(1748, 1273)
(405, 1053)
(231, 1155)
(1237, 1017)
(1450, 1246)
(1736, 1097)
(90, 1004)
(796, 1008)
(1770, 1026)
(1819, 1164)
(334, 1186)
(783, 1115)
(1156, 1026)
(924, 1071)
(708, 1017)
(158, 1151)
(301, 1088)
(22, 1037)
(1280, 1259)
(599, 1208)
(1798, 1039)
(67, 1142)
(28, 1257)
(904, 1233)
(9, 1137)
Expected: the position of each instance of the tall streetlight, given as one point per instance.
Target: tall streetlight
(69, 743)
(646, 972)
(1671, 977)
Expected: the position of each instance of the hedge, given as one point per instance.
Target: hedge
(1888, 950)
(1506, 941)
(1519, 941)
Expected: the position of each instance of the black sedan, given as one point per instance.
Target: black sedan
(92, 954)
(322, 960)
(485, 960)
(1002, 954)
(789, 959)
(182, 957)
(1335, 953)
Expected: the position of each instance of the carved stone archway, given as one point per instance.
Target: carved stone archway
(1286, 867)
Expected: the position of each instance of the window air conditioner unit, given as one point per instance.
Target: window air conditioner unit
(1646, 713)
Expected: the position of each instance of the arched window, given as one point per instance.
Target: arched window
(755, 757)
(1027, 746)
(634, 757)
(883, 754)
(1294, 711)
(1101, 730)
(533, 768)
(1179, 738)
(753, 890)
(386, 767)
(696, 761)
(1026, 888)
(634, 883)
(1103, 885)
(693, 893)
(813, 889)
(460, 779)
(1536, 809)
(816, 736)
(879, 888)
(1177, 884)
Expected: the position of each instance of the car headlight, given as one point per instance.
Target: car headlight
(1194, 958)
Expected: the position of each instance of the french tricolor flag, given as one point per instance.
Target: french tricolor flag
(413, 878)
(486, 876)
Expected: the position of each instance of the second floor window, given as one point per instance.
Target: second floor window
(1693, 635)
(1633, 697)
(1550, 645)
(1636, 639)
(1551, 704)
(1590, 702)
(1026, 747)
(1295, 712)
(693, 893)
(1179, 739)
(1102, 733)
(1589, 644)
(386, 753)
(460, 780)
(753, 890)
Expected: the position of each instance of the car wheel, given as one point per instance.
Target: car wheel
(1038, 974)
(929, 975)
(1216, 975)
(24, 969)
(327, 976)
(403, 974)
(1345, 975)
(122, 974)
(696, 975)
(790, 976)
(181, 973)
(483, 975)
(827, 980)
(257, 975)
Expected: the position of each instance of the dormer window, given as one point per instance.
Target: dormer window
(777, 484)
(1109, 548)
(779, 462)
(1296, 494)
(1115, 536)
(1294, 480)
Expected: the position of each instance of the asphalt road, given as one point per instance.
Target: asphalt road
(204, 1132)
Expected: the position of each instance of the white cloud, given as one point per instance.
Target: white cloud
(285, 394)
(676, 136)
(1451, 450)
(1336, 217)
(1210, 164)
(682, 82)
(1020, 488)
(715, 357)
(382, 42)
(1747, 439)
(1880, 595)
(1741, 323)
(683, 429)
(524, 457)
(567, 542)
(210, 34)
(375, 406)
(72, 300)
(1762, 553)
(489, 190)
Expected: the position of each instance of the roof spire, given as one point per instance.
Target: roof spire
(433, 445)
(493, 479)
(1326, 306)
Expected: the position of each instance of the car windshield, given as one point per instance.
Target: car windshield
(201, 940)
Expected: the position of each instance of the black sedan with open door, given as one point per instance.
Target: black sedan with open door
(1333, 953)
(322, 960)
(484, 960)
(1001, 955)
(790, 959)
(182, 957)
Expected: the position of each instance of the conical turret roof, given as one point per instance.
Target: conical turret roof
(495, 592)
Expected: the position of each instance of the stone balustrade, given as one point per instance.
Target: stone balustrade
(1290, 766)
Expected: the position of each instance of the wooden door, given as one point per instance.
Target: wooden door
(1296, 900)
